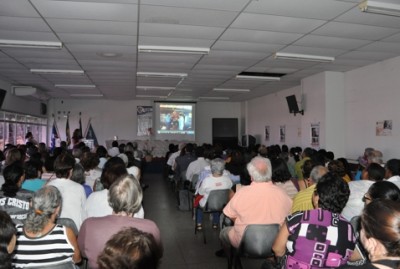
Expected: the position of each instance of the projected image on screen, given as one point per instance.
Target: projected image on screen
(176, 119)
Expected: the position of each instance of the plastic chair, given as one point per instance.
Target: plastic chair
(256, 243)
(216, 202)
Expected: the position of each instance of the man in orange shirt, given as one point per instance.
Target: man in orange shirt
(259, 203)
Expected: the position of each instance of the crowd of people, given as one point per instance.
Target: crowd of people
(67, 206)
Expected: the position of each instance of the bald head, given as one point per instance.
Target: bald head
(260, 169)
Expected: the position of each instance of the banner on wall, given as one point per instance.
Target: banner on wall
(144, 120)
(315, 134)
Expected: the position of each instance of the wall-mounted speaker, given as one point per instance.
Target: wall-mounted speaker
(43, 109)
(2, 96)
(292, 104)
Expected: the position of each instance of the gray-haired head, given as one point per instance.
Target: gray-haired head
(125, 195)
(375, 156)
(129, 148)
(317, 172)
(260, 169)
(217, 166)
(44, 203)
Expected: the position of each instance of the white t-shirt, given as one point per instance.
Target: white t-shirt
(196, 167)
(395, 180)
(74, 198)
(355, 204)
(213, 183)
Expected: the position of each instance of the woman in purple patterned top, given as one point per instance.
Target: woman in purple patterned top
(318, 238)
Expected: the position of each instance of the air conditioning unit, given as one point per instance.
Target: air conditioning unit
(30, 92)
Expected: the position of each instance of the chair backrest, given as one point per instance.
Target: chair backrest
(257, 240)
(69, 223)
(195, 178)
(217, 199)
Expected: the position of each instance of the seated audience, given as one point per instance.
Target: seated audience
(281, 177)
(73, 194)
(216, 181)
(259, 203)
(303, 199)
(380, 234)
(13, 199)
(90, 162)
(306, 169)
(101, 152)
(125, 198)
(7, 240)
(306, 155)
(97, 204)
(40, 241)
(393, 171)
(338, 168)
(33, 172)
(130, 248)
(321, 232)
(384, 190)
(182, 162)
(358, 188)
(114, 150)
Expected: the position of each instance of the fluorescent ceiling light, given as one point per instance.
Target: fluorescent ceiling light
(213, 98)
(303, 57)
(230, 90)
(150, 96)
(150, 88)
(171, 49)
(264, 78)
(161, 75)
(57, 71)
(380, 8)
(75, 86)
(30, 44)
(86, 95)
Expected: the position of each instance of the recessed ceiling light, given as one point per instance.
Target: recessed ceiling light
(264, 78)
(30, 44)
(303, 57)
(230, 90)
(86, 95)
(173, 49)
(149, 88)
(75, 86)
(161, 75)
(58, 71)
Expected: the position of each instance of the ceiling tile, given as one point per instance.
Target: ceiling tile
(84, 10)
(180, 31)
(93, 27)
(330, 42)
(99, 39)
(23, 24)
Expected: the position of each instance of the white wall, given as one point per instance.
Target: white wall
(373, 94)
(118, 118)
(272, 110)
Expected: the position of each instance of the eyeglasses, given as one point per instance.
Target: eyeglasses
(366, 198)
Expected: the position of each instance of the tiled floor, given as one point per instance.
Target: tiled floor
(182, 248)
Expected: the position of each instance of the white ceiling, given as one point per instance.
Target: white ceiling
(242, 36)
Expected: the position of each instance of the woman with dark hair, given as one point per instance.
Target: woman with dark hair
(7, 240)
(97, 203)
(90, 162)
(282, 177)
(13, 199)
(346, 168)
(33, 172)
(384, 190)
(318, 238)
(130, 248)
(40, 241)
(380, 234)
(393, 171)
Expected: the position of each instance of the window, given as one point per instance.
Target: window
(14, 126)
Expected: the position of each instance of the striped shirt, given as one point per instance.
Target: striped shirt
(50, 249)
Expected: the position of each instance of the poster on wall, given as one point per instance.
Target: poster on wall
(315, 134)
(144, 120)
(282, 133)
(384, 128)
(266, 133)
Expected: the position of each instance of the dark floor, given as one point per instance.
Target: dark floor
(182, 248)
